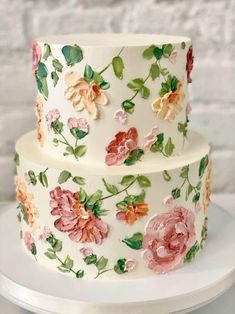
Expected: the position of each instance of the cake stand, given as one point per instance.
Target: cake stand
(33, 287)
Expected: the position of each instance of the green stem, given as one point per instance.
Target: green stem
(62, 263)
(160, 68)
(107, 66)
(102, 272)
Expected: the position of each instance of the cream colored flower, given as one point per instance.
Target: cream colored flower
(207, 189)
(84, 95)
(38, 112)
(168, 106)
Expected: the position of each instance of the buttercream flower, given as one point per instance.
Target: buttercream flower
(197, 207)
(132, 213)
(173, 56)
(38, 112)
(52, 116)
(79, 127)
(81, 224)
(86, 251)
(130, 265)
(46, 232)
(36, 55)
(119, 148)
(84, 95)
(150, 138)
(168, 201)
(27, 178)
(120, 116)
(167, 238)
(28, 240)
(207, 189)
(188, 109)
(189, 63)
(169, 105)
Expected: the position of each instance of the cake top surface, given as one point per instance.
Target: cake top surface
(113, 40)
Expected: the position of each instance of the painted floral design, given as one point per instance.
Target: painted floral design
(46, 233)
(120, 116)
(26, 204)
(123, 148)
(84, 95)
(169, 105)
(78, 126)
(38, 113)
(130, 265)
(150, 138)
(132, 213)
(207, 190)
(173, 56)
(30, 243)
(167, 238)
(75, 218)
(51, 117)
(189, 63)
(36, 55)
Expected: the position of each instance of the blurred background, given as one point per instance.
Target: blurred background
(210, 24)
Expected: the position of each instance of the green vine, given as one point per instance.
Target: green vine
(42, 177)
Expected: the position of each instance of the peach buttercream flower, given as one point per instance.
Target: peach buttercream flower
(167, 238)
(38, 112)
(84, 95)
(132, 213)
(81, 224)
(168, 106)
(207, 189)
(36, 55)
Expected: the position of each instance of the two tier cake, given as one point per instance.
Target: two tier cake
(112, 185)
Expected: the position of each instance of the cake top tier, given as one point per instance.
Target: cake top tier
(112, 98)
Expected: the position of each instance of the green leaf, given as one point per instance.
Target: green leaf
(80, 273)
(203, 164)
(158, 52)
(164, 71)
(68, 263)
(196, 197)
(136, 84)
(192, 252)
(68, 151)
(63, 269)
(127, 180)
(88, 72)
(182, 128)
(42, 71)
(112, 189)
(101, 263)
(50, 255)
(104, 85)
(169, 147)
(148, 53)
(46, 51)
(78, 134)
(158, 145)
(57, 126)
(143, 181)
(128, 106)
(80, 151)
(135, 241)
(188, 191)
(42, 86)
(183, 45)
(52, 240)
(32, 177)
(154, 71)
(167, 50)
(175, 193)
(17, 159)
(79, 180)
(64, 176)
(90, 259)
(199, 185)
(82, 196)
(21, 234)
(119, 267)
(166, 176)
(19, 217)
(145, 92)
(164, 89)
(184, 172)
(55, 78)
(174, 83)
(57, 245)
(43, 179)
(140, 198)
(57, 65)
(122, 206)
(34, 249)
(134, 156)
(95, 197)
(118, 67)
(72, 54)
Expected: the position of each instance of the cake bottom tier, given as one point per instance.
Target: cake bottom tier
(112, 223)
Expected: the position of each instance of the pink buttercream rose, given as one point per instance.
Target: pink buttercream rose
(120, 116)
(52, 116)
(130, 265)
(78, 123)
(173, 56)
(150, 138)
(86, 251)
(46, 232)
(28, 240)
(167, 238)
(36, 55)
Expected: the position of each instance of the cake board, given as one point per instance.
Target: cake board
(35, 288)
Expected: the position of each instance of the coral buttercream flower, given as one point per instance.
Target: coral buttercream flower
(167, 238)
(169, 105)
(150, 138)
(119, 148)
(28, 240)
(84, 95)
(130, 265)
(207, 189)
(36, 55)
(189, 63)
(132, 213)
(38, 112)
(86, 251)
(46, 233)
(120, 116)
(52, 116)
(81, 224)
(173, 56)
